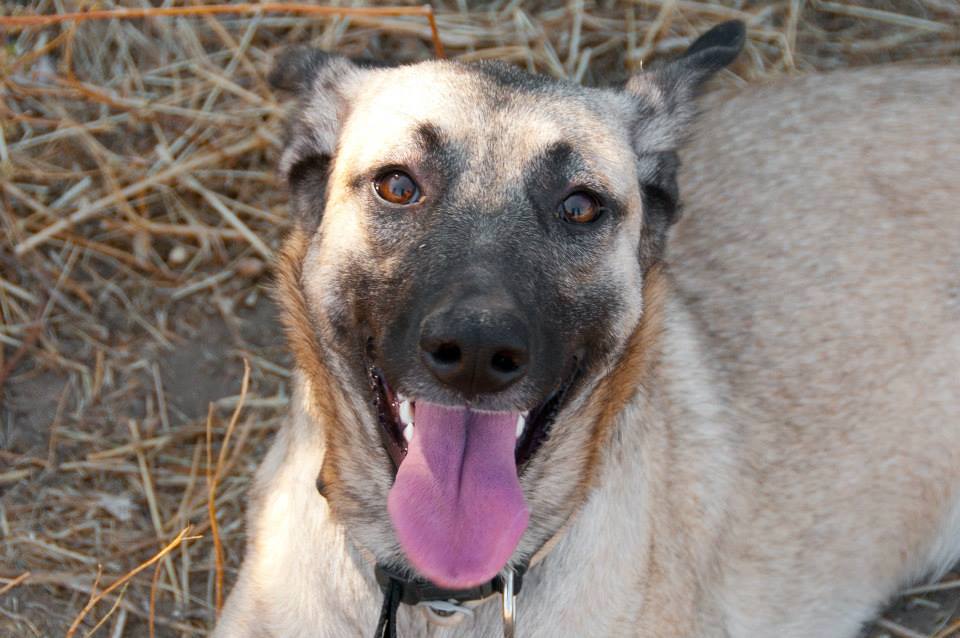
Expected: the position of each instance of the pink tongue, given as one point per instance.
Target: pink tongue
(456, 504)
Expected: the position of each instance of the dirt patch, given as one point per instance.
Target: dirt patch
(196, 373)
(29, 409)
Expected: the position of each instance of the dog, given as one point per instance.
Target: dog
(516, 409)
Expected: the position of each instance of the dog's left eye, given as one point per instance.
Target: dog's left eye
(397, 187)
(580, 208)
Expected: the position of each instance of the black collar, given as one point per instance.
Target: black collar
(411, 591)
(418, 590)
(398, 589)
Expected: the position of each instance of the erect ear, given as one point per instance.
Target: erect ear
(665, 94)
(664, 107)
(324, 84)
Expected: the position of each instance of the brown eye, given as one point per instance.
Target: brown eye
(580, 208)
(397, 187)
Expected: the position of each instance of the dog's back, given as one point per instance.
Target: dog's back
(820, 250)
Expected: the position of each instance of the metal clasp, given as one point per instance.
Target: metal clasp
(509, 604)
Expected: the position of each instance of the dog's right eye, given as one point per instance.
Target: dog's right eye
(397, 187)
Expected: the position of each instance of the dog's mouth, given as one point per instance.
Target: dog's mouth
(396, 414)
(456, 504)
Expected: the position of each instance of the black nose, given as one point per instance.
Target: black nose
(476, 347)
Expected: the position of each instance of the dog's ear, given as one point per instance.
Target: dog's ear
(665, 106)
(296, 67)
(324, 84)
(665, 95)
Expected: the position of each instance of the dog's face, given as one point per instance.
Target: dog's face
(470, 260)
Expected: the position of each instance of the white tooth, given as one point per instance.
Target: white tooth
(406, 412)
(521, 424)
(408, 433)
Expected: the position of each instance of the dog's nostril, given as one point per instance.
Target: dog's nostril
(447, 353)
(504, 362)
(475, 348)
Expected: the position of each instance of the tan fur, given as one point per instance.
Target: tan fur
(301, 335)
(820, 251)
(626, 379)
(777, 448)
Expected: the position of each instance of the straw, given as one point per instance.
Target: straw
(139, 215)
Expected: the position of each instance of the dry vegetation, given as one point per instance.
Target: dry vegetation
(140, 213)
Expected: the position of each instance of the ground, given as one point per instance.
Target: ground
(140, 213)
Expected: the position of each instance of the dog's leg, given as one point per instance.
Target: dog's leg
(299, 568)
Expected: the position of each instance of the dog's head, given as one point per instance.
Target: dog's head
(466, 288)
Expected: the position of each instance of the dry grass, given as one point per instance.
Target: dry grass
(139, 214)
